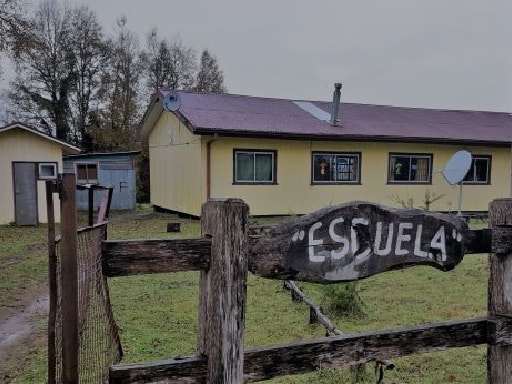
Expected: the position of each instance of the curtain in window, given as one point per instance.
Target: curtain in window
(481, 171)
(422, 170)
(392, 163)
(244, 167)
(263, 167)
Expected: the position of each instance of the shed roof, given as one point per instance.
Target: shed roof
(88, 155)
(66, 147)
(238, 115)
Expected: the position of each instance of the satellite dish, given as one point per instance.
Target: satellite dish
(172, 101)
(457, 167)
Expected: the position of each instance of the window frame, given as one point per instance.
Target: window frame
(87, 164)
(357, 155)
(40, 173)
(472, 168)
(411, 155)
(254, 152)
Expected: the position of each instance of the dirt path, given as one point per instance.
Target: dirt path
(23, 322)
(21, 333)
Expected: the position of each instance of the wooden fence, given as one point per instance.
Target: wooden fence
(342, 243)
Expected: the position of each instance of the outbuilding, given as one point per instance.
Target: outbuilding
(110, 169)
(28, 157)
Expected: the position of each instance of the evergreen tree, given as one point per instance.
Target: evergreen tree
(210, 77)
(169, 64)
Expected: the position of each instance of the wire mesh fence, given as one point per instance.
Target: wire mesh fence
(98, 335)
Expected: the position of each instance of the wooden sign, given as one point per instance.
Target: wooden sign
(356, 240)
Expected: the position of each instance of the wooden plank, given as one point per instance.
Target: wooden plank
(356, 240)
(308, 356)
(501, 241)
(223, 290)
(182, 370)
(52, 285)
(90, 206)
(69, 280)
(317, 311)
(499, 355)
(499, 331)
(478, 241)
(316, 315)
(286, 359)
(131, 257)
(104, 210)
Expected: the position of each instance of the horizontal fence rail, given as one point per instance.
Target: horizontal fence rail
(336, 244)
(132, 257)
(264, 363)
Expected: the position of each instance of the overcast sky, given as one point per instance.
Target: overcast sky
(449, 54)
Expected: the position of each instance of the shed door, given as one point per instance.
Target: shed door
(25, 193)
(123, 181)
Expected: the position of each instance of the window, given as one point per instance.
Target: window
(336, 167)
(47, 171)
(480, 170)
(258, 167)
(410, 168)
(87, 173)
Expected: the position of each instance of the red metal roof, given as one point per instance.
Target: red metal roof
(207, 113)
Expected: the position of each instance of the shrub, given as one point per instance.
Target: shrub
(344, 299)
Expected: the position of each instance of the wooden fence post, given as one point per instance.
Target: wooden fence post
(499, 357)
(52, 284)
(69, 280)
(223, 290)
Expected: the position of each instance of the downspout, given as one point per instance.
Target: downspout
(209, 165)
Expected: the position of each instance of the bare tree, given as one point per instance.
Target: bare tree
(12, 23)
(116, 128)
(59, 61)
(210, 77)
(88, 51)
(44, 67)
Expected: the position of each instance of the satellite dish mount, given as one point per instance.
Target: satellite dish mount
(172, 101)
(455, 171)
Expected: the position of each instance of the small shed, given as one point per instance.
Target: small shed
(28, 157)
(115, 169)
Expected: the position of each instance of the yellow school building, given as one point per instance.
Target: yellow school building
(286, 157)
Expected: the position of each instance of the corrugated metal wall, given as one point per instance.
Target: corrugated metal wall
(114, 170)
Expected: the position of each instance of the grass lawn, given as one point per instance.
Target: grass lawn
(157, 314)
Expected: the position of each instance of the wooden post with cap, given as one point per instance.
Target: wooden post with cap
(223, 290)
(499, 350)
(69, 280)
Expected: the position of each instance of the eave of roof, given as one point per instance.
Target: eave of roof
(152, 114)
(66, 147)
(353, 138)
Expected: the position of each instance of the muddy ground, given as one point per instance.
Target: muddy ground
(22, 331)
(23, 323)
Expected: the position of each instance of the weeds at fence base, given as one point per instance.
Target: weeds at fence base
(340, 375)
(344, 299)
